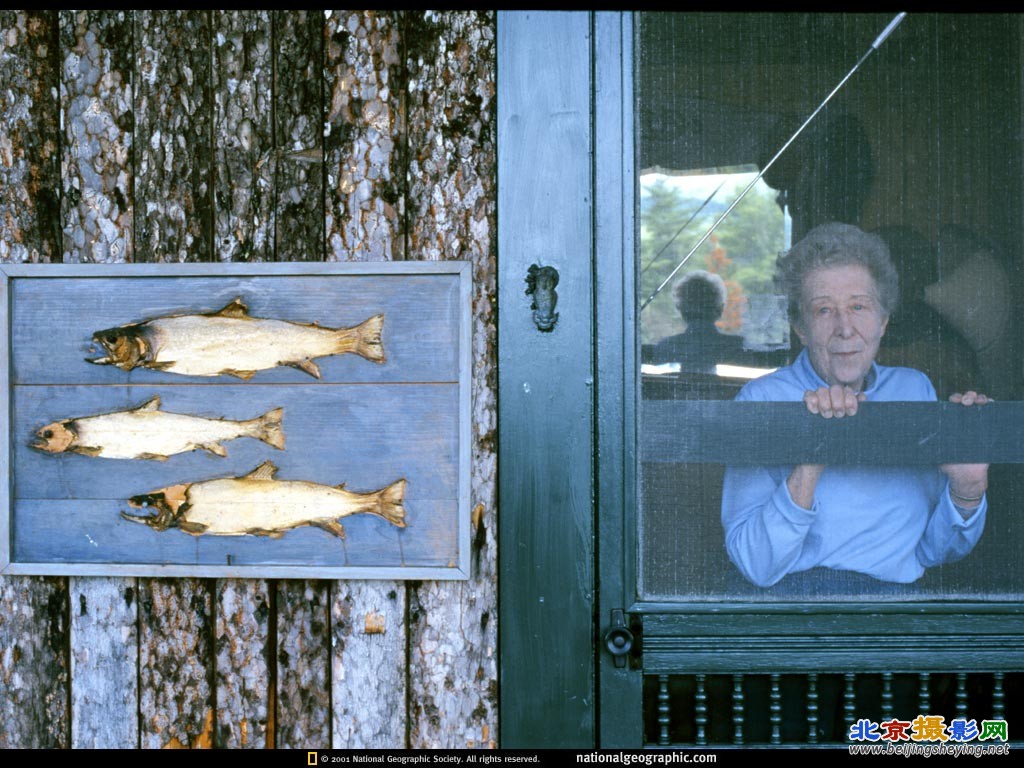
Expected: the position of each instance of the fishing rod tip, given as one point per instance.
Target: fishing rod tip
(889, 29)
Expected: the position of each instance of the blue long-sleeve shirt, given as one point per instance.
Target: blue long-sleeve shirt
(887, 522)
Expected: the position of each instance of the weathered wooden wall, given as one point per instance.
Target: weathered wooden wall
(134, 136)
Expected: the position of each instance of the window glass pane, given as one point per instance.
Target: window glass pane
(920, 148)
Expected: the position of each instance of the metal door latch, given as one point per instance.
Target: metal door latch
(619, 638)
(540, 284)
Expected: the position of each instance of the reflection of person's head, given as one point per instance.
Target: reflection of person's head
(842, 287)
(699, 295)
(828, 174)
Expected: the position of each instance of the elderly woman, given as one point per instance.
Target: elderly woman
(889, 523)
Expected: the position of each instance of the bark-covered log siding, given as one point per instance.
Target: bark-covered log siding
(135, 136)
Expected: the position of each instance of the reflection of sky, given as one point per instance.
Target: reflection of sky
(701, 185)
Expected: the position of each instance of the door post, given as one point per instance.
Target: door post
(545, 380)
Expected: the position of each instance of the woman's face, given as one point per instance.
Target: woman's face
(841, 323)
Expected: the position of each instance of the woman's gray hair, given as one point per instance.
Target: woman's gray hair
(836, 245)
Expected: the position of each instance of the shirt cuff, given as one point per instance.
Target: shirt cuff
(964, 517)
(790, 510)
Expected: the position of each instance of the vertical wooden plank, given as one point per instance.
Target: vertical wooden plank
(362, 221)
(368, 636)
(173, 124)
(176, 115)
(33, 663)
(303, 692)
(450, 59)
(303, 664)
(176, 686)
(364, 137)
(98, 119)
(614, 361)
(104, 664)
(451, 63)
(545, 170)
(242, 664)
(29, 137)
(243, 139)
(298, 106)
(34, 705)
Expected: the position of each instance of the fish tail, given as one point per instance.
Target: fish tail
(268, 428)
(368, 342)
(389, 503)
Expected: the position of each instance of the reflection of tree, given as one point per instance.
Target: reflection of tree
(742, 250)
(717, 262)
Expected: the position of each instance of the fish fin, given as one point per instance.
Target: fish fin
(236, 308)
(153, 404)
(194, 528)
(152, 456)
(270, 431)
(264, 471)
(86, 450)
(159, 366)
(244, 375)
(341, 487)
(332, 527)
(389, 503)
(368, 341)
(307, 366)
(215, 448)
(265, 532)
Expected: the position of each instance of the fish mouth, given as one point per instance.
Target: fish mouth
(105, 360)
(40, 444)
(158, 516)
(157, 522)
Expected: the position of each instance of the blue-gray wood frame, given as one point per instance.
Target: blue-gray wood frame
(568, 432)
(545, 381)
(63, 297)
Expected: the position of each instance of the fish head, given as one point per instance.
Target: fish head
(125, 346)
(166, 505)
(54, 438)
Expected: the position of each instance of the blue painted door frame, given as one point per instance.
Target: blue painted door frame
(564, 143)
(567, 427)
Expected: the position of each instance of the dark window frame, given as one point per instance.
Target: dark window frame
(686, 636)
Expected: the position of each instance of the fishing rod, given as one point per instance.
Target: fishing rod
(682, 228)
(874, 47)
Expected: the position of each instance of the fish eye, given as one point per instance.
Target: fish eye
(48, 433)
(110, 338)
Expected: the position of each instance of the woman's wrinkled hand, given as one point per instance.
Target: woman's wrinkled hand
(967, 482)
(833, 402)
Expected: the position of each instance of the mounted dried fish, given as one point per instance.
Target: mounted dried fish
(146, 432)
(231, 342)
(259, 505)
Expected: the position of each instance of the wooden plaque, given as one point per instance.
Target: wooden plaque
(363, 423)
